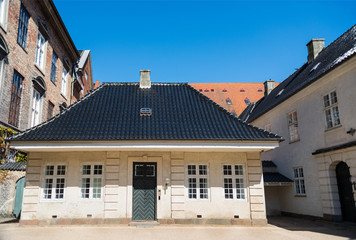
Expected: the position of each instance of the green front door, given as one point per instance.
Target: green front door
(20, 185)
(144, 191)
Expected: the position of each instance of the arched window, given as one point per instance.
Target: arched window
(39, 89)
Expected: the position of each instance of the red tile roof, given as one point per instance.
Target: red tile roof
(238, 93)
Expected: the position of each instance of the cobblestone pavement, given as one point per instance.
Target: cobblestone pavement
(279, 228)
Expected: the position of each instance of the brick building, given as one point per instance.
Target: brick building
(83, 82)
(37, 63)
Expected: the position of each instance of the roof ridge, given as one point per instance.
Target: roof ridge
(233, 116)
(59, 114)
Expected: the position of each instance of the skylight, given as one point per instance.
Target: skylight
(247, 101)
(228, 101)
(145, 112)
(280, 92)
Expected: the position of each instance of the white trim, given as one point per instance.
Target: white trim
(145, 146)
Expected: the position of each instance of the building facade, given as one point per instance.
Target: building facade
(145, 152)
(314, 111)
(37, 61)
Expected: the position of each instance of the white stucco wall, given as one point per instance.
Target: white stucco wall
(313, 135)
(116, 201)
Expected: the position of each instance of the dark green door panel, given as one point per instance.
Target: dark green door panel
(144, 191)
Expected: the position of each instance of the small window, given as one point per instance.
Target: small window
(197, 181)
(206, 90)
(299, 181)
(139, 170)
(331, 110)
(54, 181)
(247, 101)
(224, 90)
(212, 90)
(242, 90)
(200, 90)
(228, 101)
(145, 112)
(234, 184)
(259, 90)
(293, 126)
(92, 179)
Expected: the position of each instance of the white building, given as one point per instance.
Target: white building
(314, 110)
(144, 152)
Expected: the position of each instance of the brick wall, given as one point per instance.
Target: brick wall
(23, 61)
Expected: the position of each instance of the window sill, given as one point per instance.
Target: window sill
(54, 83)
(63, 96)
(333, 128)
(22, 48)
(300, 195)
(298, 140)
(3, 27)
(39, 69)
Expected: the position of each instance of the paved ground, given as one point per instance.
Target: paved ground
(279, 228)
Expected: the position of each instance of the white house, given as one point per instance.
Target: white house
(131, 152)
(314, 110)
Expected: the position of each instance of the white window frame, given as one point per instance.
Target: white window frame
(54, 177)
(331, 110)
(2, 64)
(36, 108)
(4, 7)
(237, 174)
(292, 119)
(92, 177)
(40, 51)
(198, 176)
(64, 82)
(299, 183)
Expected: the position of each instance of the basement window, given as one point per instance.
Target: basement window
(145, 112)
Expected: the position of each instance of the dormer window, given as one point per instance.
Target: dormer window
(212, 90)
(259, 90)
(206, 90)
(247, 101)
(145, 112)
(242, 90)
(224, 90)
(228, 101)
(200, 90)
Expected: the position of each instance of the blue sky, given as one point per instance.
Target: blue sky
(202, 41)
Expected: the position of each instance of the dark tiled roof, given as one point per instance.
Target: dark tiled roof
(13, 166)
(336, 53)
(112, 112)
(268, 164)
(275, 177)
(334, 148)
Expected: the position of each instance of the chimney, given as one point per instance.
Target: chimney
(315, 46)
(269, 86)
(145, 78)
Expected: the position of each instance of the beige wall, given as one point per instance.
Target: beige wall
(313, 135)
(116, 201)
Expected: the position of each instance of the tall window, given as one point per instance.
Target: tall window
(3, 12)
(92, 178)
(54, 182)
(16, 91)
(197, 181)
(36, 104)
(40, 50)
(64, 82)
(23, 26)
(54, 67)
(299, 181)
(331, 110)
(50, 110)
(234, 186)
(293, 126)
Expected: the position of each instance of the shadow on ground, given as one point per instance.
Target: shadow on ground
(341, 229)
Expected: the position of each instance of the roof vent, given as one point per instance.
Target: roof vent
(145, 78)
(145, 112)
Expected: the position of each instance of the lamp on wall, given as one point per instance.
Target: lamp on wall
(351, 131)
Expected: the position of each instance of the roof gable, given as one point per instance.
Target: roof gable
(112, 112)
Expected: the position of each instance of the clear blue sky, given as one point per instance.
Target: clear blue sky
(202, 41)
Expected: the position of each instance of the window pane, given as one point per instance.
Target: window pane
(85, 187)
(86, 170)
(326, 101)
(49, 170)
(150, 170)
(47, 189)
(203, 170)
(203, 186)
(329, 122)
(239, 170)
(333, 97)
(336, 116)
(240, 188)
(22, 29)
(228, 188)
(192, 170)
(97, 188)
(98, 169)
(61, 170)
(139, 170)
(227, 170)
(60, 188)
(192, 188)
